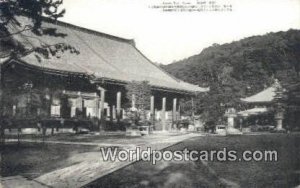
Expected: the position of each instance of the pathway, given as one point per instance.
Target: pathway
(91, 165)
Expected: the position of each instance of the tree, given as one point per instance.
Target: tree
(140, 92)
(37, 11)
(186, 106)
(239, 69)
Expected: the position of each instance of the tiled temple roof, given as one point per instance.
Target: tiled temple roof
(264, 96)
(101, 55)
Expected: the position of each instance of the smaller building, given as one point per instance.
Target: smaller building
(264, 109)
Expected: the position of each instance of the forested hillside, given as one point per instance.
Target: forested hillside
(242, 67)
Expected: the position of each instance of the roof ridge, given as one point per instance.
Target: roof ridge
(90, 31)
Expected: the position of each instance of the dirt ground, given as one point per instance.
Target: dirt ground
(31, 159)
(283, 173)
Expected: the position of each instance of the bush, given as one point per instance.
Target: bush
(210, 126)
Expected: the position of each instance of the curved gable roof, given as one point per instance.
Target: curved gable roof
(264, 96)
(101, 55)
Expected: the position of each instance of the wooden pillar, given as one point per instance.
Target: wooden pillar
(119, 95)
(73, 106)
(84, 115)
(179, 111)
(97, 112)
(156, 113)
(48, 102)
(123, 114)
(163, 113)
(152, 110)
(174, 118)
(241, 123)
(114, 112)
(193, 111)
(102, 100)
(110, 110)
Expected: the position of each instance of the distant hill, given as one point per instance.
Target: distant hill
(251, 62)
(240, 69)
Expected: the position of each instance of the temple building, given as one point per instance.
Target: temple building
(87, 82)
(275, 106)
(259, 110)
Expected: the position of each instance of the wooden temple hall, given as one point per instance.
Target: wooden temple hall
(88, 84)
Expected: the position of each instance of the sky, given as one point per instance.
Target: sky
(165, 37)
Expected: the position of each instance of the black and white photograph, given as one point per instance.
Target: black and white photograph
(150, 93)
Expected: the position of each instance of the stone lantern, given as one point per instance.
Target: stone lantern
(230, 114)
(279, 116)
(279, 106)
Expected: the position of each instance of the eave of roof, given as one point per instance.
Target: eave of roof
(47, 70)
(253, 111)
(265, 96)
(154, 87)
(93, 79)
